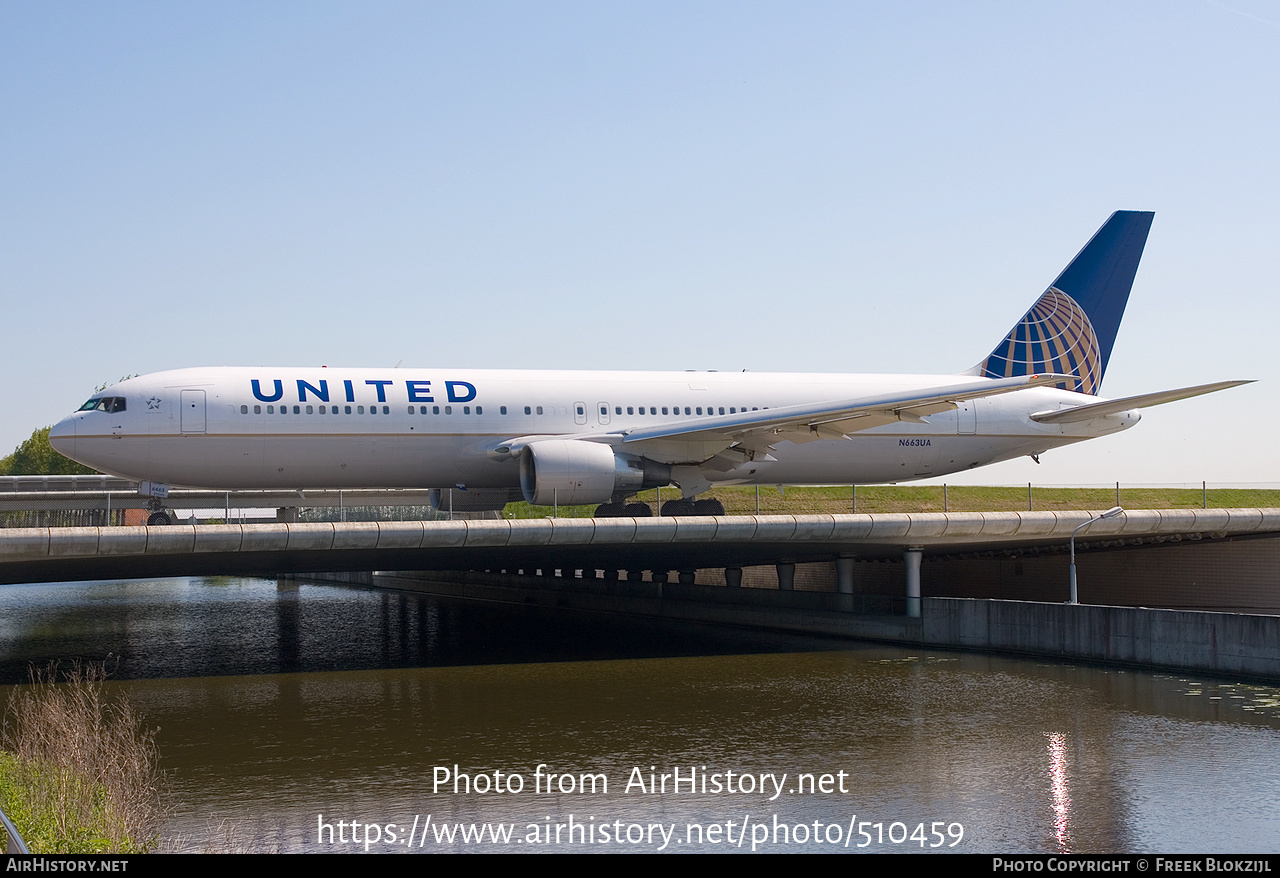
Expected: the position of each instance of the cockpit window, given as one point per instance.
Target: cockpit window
(104, 404)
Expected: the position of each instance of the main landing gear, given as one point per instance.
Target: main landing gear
(670, 508)
(710, 506)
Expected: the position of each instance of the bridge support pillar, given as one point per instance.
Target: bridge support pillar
(287, 515)
(733, 576)
(786, 576)
(911, 559)
(844, 574)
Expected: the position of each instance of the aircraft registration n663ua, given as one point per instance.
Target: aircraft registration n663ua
(601, 437)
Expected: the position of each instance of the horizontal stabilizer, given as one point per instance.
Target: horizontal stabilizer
(1115, 406)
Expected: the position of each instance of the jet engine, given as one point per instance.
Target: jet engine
(457, 500)
(572, 472)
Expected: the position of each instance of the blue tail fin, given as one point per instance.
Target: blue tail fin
(1072, 327)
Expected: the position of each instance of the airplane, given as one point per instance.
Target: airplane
(587, 437)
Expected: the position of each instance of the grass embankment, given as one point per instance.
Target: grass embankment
(929, 498)
(79, 772)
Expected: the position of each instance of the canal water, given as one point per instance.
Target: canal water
(300, 717)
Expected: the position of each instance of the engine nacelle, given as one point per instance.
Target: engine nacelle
(572, 472)
(457, 500)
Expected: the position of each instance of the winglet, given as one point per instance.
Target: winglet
(1072, 327)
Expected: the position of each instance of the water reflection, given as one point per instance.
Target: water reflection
(328, 703)
(1061, 795)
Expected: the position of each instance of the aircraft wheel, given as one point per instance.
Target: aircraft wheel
(639, 510)
(159, 519)
(610, 510)
(678, 507)
(710, 506)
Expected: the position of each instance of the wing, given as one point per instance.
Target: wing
(697, 439)
(835, 419)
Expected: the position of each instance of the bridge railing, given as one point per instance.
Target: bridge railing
(99, 501)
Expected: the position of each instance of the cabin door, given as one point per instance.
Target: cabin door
(193, 411)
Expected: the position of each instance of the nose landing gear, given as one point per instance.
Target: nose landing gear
(159, 516)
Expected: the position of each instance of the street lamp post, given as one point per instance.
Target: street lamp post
(1110, 513)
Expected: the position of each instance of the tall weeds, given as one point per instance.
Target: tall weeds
(84, 764)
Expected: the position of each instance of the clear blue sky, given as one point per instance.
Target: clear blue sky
(852, 187)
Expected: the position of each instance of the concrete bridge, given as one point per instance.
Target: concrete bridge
(631, 548)
(845, 575)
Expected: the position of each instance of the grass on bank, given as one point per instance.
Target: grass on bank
(930, 498)
(79, 773)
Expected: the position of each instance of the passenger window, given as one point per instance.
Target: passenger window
(244, 410)
(359, 410)
(448, 410)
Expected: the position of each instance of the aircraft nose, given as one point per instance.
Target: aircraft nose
(62, 436)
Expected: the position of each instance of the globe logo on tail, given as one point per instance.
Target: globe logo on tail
(1054, 336)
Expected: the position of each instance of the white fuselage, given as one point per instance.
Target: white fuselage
(430, 428)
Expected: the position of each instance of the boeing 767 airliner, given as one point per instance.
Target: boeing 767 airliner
(601, 437)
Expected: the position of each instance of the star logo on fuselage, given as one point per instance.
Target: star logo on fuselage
(153, 404)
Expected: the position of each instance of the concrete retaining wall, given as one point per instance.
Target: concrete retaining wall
(1225, 644)
(1230, 644)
